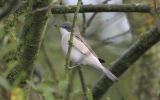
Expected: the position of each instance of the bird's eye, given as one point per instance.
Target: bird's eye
(65, 27)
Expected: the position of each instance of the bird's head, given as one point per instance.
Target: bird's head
(65, 28)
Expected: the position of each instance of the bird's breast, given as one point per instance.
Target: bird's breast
(76, 56)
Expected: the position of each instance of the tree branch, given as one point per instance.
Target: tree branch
(102, 8)
(84, 89)
(72, 34)
(34, 28)
(68, 62)
(130, 56)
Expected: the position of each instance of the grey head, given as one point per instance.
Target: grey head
(67, 26)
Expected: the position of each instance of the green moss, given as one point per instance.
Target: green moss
(30, 40)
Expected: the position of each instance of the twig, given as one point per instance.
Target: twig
(139, 8)
(123, 63)
(68, 62)
(108, 40)
(93, 16)
(72, 34)
(82, 82)
(84, 22)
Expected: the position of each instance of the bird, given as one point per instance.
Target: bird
(81, 52)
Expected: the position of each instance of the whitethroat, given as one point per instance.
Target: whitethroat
(81, 52)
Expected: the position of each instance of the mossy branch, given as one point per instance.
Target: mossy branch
(68, 73)
(72, 34)
(30, 41)
(131, 55)
(142, 8)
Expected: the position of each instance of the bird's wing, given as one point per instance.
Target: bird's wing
(83, 44)
(87, 47)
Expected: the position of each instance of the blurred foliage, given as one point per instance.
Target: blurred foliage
(43, 86)
(146, 78)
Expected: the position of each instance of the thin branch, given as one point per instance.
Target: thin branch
(68, 62)
(93, 16)
(72, 34)
(6, 10)
(130, 56)
(109, 40)
(82, 82)
(139, 8)
(84, 22)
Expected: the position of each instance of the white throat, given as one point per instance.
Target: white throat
(64, 32)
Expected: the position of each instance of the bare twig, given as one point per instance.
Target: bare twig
(68, 62)
(130, 56)
(84, 22)
(108, 40)
(82, 82)
(72, 34)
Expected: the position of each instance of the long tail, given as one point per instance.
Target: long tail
(109, 74)
(93, 61)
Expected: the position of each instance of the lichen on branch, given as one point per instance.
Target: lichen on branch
(30, 41)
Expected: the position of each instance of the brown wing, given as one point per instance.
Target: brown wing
(79, 37)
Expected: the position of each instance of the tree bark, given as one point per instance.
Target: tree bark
(102, 8)
(30, 41)
(130, 56)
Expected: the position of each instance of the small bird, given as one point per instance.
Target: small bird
(81, 52)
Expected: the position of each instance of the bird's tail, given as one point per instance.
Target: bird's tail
(109, 74)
